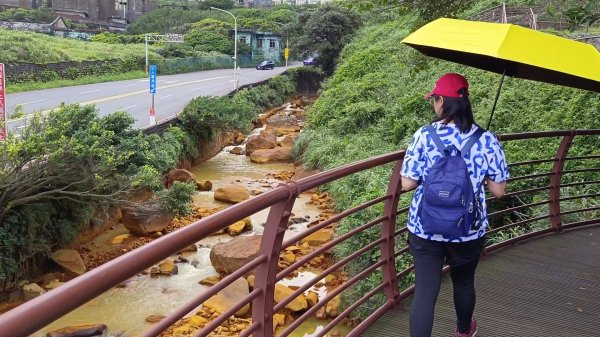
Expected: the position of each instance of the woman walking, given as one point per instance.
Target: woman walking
(449, 162)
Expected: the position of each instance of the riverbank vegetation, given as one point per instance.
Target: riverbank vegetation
(67, 169)
(374, 103)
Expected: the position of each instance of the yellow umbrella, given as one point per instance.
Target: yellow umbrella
(510, 50)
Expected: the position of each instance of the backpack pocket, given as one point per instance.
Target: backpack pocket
(450, 222)
(445, 194)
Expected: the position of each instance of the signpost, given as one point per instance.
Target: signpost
(2, 104)
(152, 91)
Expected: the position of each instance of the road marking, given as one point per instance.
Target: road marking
(39, 100)
(165, 96)
(146, 80)
(88, 92)
(129, 107)
(133, 93)
(129, 85)
(171, 81)
(197, 88)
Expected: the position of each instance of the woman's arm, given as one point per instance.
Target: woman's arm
(408, 184)
(497, 189)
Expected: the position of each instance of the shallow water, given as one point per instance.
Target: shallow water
(125, 309)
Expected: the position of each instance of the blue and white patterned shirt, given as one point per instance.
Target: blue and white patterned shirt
(486, 159)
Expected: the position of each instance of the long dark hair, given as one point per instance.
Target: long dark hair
(457, 110)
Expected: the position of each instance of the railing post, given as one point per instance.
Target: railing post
(387, 232)
(272, 239)
(557, 169)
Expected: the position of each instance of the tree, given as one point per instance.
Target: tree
(325, 32)
(583, 15)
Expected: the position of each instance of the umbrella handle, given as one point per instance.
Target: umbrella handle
(496, 100)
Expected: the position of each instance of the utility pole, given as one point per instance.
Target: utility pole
(286, 52)
(235, 71)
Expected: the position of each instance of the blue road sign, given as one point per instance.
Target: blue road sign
(153, 78)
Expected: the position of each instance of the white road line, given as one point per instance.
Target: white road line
(129, 107)
(39, 100)
(165, 96)
(171, 81)
(88, 92)
(146, 80)
(197, 88)
(129, 85)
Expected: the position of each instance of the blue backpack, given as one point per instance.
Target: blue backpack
(449, 205)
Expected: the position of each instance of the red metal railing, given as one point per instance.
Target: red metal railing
(523, 214)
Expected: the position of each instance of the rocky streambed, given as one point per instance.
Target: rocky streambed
(247, 167)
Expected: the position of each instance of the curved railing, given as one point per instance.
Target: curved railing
(540, 191)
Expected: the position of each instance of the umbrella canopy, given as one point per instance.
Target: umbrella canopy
(511, 50)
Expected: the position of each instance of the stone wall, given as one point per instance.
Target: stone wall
(27, 72)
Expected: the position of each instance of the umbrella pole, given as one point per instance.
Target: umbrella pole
(496, 100)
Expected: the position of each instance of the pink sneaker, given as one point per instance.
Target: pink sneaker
(472, 331)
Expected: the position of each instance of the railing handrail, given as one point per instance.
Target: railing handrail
(72, 294)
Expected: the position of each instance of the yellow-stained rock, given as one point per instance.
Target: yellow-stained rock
(251, 280)
(210, 281)
(228, 297)
(198, 321)
(277, 154)
(233, 193)
(79, 330)
(319, 237)
(70, 260)
(204, 185)
(333, 307)
(239, 227)
(182, 331)
(282, 292)
(117, 240)
(154, 318)
(289, 257)
(278, 320)
(312, 298)
(168, 268)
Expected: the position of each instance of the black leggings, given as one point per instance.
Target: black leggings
(428, 270)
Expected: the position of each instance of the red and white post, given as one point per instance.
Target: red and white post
(2, 104)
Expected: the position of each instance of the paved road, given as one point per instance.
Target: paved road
(172, 94)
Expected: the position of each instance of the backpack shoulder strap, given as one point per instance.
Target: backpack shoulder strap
(436, 139)
(472, 140)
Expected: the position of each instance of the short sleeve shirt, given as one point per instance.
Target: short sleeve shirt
(485, 159)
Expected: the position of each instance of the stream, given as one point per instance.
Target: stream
(125, 309)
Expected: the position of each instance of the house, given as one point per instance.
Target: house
(265, 45)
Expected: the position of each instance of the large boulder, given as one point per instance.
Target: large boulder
(79, 331)
(180, 175)
(227, 257)
(278, 154)
(230, 296)
(264, 140)
(282, 121)
(233, 193)
(145, 225)
(70, 260)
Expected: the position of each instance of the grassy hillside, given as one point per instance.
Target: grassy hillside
(374, 103)
(20, 46)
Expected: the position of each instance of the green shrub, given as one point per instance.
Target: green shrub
(374, 103)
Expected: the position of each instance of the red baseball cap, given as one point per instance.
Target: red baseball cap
(449, 85)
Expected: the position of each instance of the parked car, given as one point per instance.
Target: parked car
(311, 61)
(265, 65)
